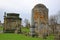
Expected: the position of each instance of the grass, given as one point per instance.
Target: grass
(12, 36)
(51, 37)
(17, 37)
(24, 29)
(1, 28)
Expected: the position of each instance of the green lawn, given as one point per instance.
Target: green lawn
(51, 37)
(12, 36)
(24, 29)
(16, 37)
(1, 28)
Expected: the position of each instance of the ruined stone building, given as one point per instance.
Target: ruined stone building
(39, 20)
(12, 22)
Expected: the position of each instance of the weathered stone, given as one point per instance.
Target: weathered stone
(40, 19)
(12, 22)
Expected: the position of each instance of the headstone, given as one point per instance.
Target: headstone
(12, 22)
(39, 16)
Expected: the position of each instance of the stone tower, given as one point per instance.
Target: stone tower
(40, 19)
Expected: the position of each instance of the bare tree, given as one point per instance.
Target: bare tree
(27, 24)
(53, 23)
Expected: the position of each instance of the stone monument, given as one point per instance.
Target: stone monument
(39, 20)
(12, 23)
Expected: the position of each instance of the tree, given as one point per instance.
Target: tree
(27, 24)
(53, 23)
(54, 20)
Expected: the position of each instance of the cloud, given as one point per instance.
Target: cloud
(24, 7)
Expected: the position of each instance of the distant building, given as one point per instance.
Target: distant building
(12, 22)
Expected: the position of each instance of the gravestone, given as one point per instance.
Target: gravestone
(12, 22)
(39, 19)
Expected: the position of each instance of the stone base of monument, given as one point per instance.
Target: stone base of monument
(8, 31)
(32, 34)
(11, 31)
(32, 31)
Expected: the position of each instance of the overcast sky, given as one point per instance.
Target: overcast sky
(24, 7)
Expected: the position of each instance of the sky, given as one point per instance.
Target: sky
(24, 7)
